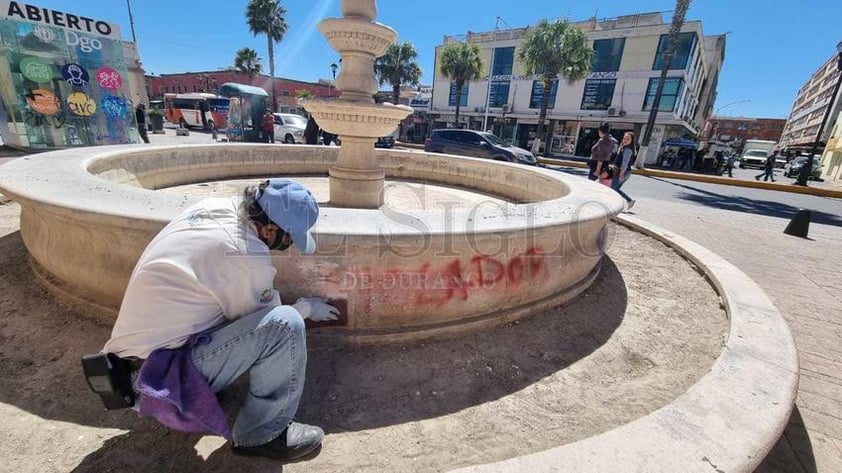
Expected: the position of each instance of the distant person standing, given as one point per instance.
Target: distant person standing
(311, 132)
(140, 116)
(267, 125)
(768, 170)
(602, 151)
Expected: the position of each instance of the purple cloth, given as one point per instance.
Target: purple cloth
(173, 391)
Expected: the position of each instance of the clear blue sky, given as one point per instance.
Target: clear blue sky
(773, 45)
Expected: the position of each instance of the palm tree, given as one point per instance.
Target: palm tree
(398, 67)
(267, 17)
(303, 94)
(681, 7)
(552, 51)
(248, 61)
(461, 62)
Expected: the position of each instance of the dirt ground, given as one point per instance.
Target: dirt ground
(640, 336)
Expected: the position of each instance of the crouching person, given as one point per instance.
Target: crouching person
(201, 309)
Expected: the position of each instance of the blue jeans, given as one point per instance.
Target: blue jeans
(616, 184)
(270, 344)
(767, 174)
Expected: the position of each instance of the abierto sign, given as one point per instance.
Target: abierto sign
(22, 11)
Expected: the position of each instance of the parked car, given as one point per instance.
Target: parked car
(289, 127)
(387, 141)
(478, 145)
(793, 168)
(780, 161)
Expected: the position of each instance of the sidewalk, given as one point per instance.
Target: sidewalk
(802, 279)
(824, 189)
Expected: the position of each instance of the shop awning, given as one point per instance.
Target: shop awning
(681, 143)
(231, 89)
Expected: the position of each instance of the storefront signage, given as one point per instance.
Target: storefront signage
(81, 104)
(35, 70)
(75, 75)
(602, 75)
(114, 107)
(108, 78)
(15, 10)
(44, 102)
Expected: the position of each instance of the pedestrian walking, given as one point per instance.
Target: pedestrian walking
(623, 162)
(267, 125)
(732, 159)
(602, 152)
(768, 170)
(140, 116)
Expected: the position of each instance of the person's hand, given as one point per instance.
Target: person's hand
(316, 309)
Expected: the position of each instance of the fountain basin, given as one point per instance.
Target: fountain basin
(87, 215)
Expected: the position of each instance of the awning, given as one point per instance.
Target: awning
(681, 143)
(231, 89)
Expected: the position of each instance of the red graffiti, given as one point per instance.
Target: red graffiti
(483, 272)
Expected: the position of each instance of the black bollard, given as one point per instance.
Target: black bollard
(800, 224)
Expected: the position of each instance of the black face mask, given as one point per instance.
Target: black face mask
(278, 244)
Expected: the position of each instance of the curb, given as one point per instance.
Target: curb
(815, 191)
(728, 421)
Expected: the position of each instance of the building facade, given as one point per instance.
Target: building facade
(65, 80)
(286, 90)
(620, 89)
(811, 104)
(832, 159)
(733, 131)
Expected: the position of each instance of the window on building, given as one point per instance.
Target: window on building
(683, 51)
(607, 54)
(504, 60)
(162, 89)
(598, 94)
(285, 93)
(499, 94)
(538, 94)
(463, 100)
(194, 89)
(669, 98)
(501, 72)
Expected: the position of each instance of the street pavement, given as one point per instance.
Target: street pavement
(801, 276)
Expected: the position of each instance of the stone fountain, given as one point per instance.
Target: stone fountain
(356, 180)
(530, 238)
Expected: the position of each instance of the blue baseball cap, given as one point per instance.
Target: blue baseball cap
(292, 207)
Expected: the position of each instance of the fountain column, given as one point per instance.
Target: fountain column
(357, 180)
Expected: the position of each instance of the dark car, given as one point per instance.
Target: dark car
(793, 168)
(387, 141)
(476, 144)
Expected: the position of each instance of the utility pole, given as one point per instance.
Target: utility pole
(681, 7)
(490, 76)
(131, 21)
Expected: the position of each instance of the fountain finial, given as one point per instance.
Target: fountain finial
(360, 9)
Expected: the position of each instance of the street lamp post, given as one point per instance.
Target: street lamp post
(333, 68)
(808, 166)
(716, 116)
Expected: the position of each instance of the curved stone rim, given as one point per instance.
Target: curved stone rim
(729, 420)
(55, 180)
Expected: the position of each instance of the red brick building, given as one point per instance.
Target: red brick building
(210, 81)
(738, 129)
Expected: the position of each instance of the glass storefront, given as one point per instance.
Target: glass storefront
(60, 87)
